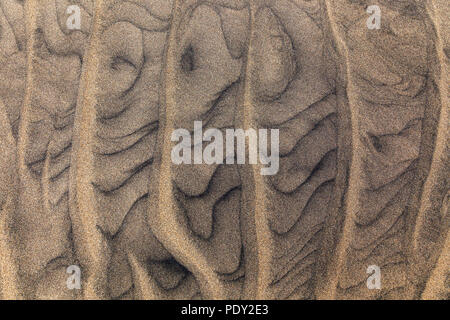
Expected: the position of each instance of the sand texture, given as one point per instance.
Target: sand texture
(87, 178)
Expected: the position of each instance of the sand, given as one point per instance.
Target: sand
(87, 179)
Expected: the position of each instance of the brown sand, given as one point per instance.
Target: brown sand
(86, 177)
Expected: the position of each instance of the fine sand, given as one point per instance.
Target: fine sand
(87, 181)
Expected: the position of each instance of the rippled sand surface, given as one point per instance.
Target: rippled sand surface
(87, 180)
